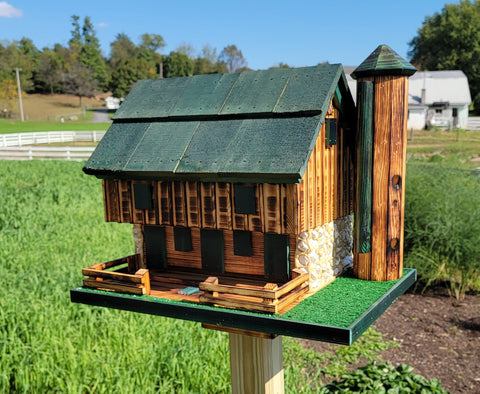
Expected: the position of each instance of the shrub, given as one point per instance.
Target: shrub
(384, 378)
(442, 225)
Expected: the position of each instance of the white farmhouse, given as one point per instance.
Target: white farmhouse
(438, 99)
(435, 99)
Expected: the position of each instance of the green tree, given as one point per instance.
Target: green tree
(129, 72)
(86, 48)
(130, 62)
(233, 59)
(49, 72)
(177, 65)
(450, 40)
(122, 50)
(80, 82)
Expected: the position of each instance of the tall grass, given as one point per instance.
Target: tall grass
(442, 225)
(51, 226)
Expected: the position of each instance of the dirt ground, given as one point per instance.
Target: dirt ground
(438, 336)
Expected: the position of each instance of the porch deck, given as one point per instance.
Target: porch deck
(228, 291)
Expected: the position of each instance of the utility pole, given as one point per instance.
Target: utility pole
(20, 105)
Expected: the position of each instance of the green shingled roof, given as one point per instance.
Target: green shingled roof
(256, 126)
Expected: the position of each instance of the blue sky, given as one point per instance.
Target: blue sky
(298, 33)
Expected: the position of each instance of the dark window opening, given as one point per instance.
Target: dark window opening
(242, 243)
(183, 239)
(142, 193)
(245, 201)
(212, 250)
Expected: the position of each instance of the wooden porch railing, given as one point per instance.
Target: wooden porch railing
(269, 298)
(99, 278)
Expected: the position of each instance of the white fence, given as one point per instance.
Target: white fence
(49, 137)
(46, 153)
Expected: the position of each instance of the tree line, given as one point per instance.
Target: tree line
(80, 68)
(447, 40)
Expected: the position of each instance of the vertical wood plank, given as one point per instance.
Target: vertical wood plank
(223, 205)
(255, 221)
(311, 191)
(165, 208)
(240, 221)
(193, 204)
(179, 204)
(319, 151)
(301, 206)
(364, 156)
(111, 200)
(382, 125)
(256, 364)
(126, 201)
(272, 208)
(326, 185)
(396, 179)
(207, 192)
(289, 211)
(138, 214)
(151, 215)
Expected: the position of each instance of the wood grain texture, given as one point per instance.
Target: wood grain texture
(209, 217)
(194, 218)
(223, 202)
(253, 264)
(165, 206)
(111, 196)
(179, 204)
(256, 364)
(175, 258)
(396, 180)
(272, 208)
(125, 201)
(381, 164)
(364, 158)
(256, 221)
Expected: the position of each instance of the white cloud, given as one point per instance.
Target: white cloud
(102, 24)
(9, 11)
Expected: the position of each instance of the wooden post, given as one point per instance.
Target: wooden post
(256, 361)
(382, 103)
(256, 364)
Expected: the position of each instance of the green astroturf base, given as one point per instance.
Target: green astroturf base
(338, 313)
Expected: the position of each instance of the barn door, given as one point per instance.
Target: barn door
(276, 257)
(155, 245)
(212, 251)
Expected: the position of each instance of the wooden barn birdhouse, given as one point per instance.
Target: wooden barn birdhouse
(241, 187)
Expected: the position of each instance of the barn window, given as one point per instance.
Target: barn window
(183, 239)
(142, 195)
(245, 201)
(242, 243)
(330, 131)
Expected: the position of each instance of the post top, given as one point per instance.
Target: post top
(384, 61)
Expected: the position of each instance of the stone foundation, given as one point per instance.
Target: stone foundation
(325, 252)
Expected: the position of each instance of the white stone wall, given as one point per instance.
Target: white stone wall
(325, 252)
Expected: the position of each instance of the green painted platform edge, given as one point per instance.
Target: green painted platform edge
(272, 324)
(367, 318)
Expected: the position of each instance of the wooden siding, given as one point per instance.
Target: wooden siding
(326, 190)
(203, 205)
(324, 193)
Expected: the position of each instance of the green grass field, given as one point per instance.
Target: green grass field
(10, 126)
(52, 226)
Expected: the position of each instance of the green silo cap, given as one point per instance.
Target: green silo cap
(383, 61)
